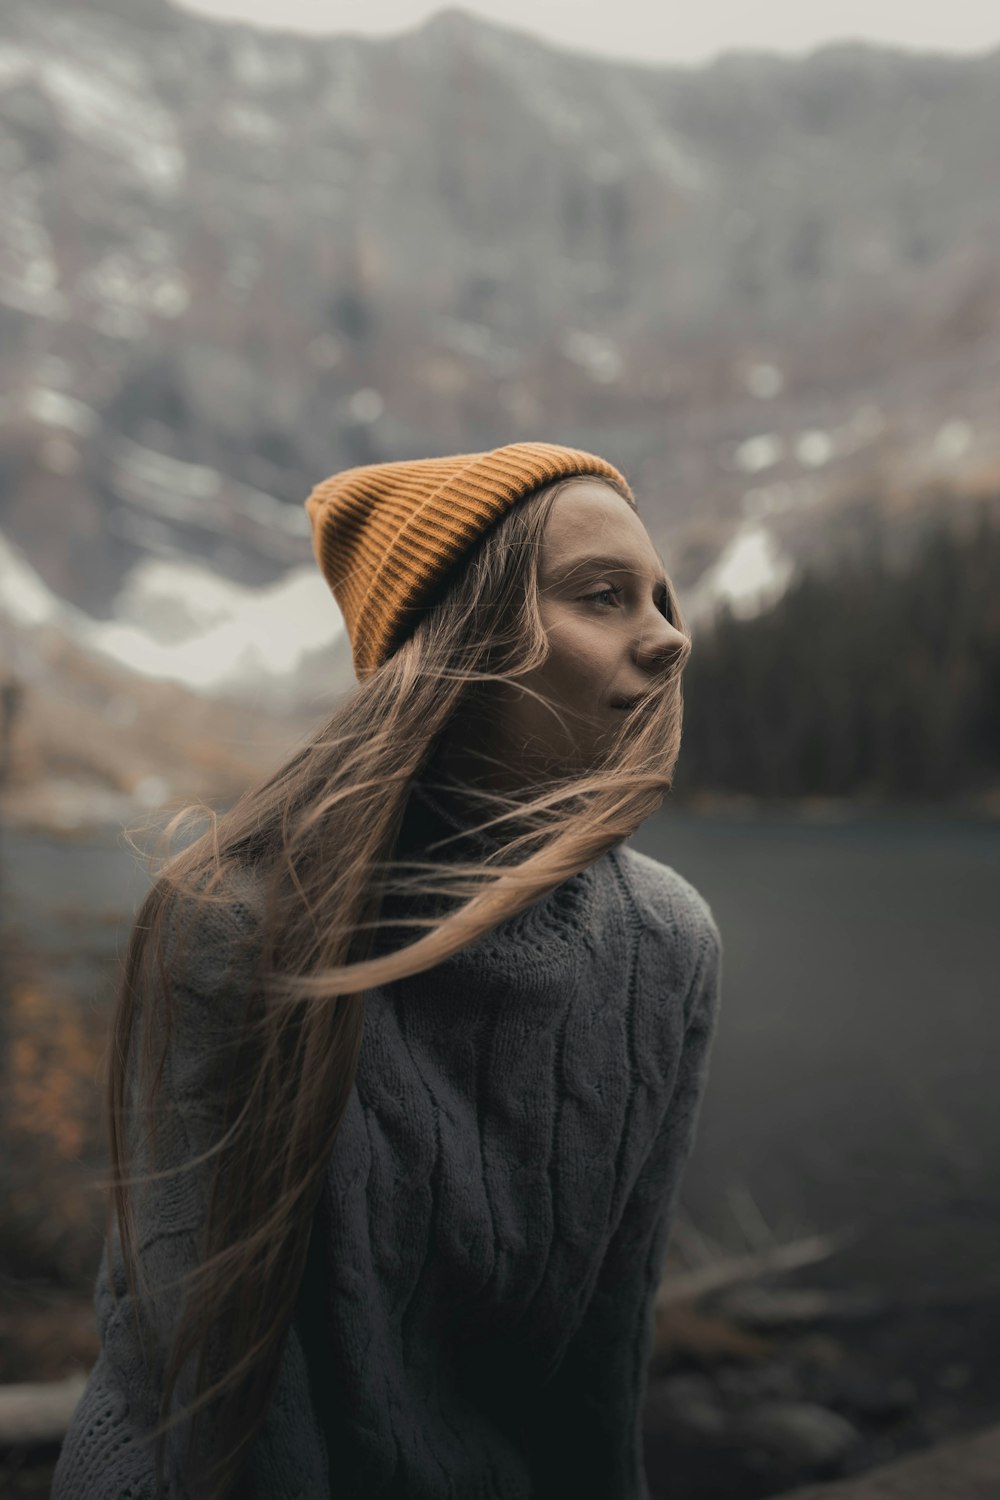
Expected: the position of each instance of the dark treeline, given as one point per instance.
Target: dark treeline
(874, 679)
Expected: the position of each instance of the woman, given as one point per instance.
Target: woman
(430, 1039)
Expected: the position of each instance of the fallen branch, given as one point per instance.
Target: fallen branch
(31, 1414)
(690, 1285)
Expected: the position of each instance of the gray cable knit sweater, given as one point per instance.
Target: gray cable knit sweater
(477, 1314)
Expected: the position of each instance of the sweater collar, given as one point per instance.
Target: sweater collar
(443, 813)
(447, 811)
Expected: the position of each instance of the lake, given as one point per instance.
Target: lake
(853, 1077)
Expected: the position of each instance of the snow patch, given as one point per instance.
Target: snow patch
(365, 405)
(127, 122)
(26, 600)
(764, 380)
(759, 452)
(29, 278)
(750, 574)
(180, 622)
(598, 356)
(952, 439)
(56, 409)
(665, 150)
(126, 288)
(814, 448)
(197, 495)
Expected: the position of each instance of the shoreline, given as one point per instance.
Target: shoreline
(738, 807)
(81, 818)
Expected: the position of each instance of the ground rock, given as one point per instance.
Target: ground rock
(687, 1406)
(965, 1469)
(798, 1432)
(767, 1307)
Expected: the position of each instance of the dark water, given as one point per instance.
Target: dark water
(854, 1074)
(854, 1078)
(68, 903)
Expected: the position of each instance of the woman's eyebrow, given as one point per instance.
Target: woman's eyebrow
(606, 560)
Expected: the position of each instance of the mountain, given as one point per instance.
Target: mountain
(233, 262)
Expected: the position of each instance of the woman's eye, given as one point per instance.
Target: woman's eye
(615, 589)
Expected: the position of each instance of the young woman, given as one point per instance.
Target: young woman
(410, 1047)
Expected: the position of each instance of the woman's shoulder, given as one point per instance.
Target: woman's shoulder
(667, 901)
(211, 926)
(681, 954)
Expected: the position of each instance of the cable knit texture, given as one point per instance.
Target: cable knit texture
(477, 1314)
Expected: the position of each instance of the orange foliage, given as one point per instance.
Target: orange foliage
(53, 1070)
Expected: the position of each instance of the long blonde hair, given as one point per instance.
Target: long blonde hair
(318, 838)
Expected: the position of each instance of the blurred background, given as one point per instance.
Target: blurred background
(755, 262)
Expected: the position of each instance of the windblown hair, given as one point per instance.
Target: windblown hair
(318, 839)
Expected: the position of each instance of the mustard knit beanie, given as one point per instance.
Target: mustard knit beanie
(385, 535)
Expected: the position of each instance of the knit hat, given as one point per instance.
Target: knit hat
(386, 535)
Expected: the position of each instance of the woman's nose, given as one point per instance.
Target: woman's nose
(661, 642)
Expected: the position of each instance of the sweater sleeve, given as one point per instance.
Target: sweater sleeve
(104, 1455)
(588, 1423)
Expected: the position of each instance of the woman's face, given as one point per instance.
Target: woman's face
(605, 608)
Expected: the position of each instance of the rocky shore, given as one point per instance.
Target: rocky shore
(814, 1374)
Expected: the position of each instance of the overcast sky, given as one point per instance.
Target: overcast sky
(658, 30)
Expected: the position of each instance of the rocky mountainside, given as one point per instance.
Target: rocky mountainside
(232, 262)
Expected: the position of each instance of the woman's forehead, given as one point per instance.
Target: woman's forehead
(589, 519)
